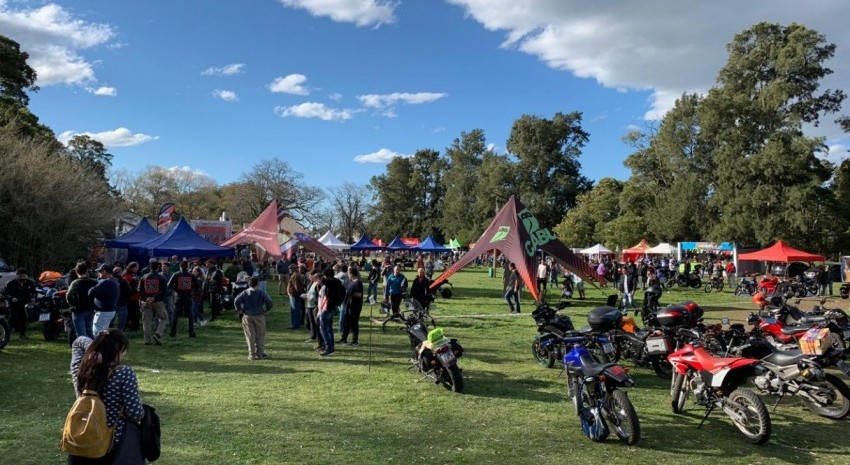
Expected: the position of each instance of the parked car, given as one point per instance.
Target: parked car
(6, 274)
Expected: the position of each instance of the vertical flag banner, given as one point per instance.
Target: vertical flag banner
(163, 220)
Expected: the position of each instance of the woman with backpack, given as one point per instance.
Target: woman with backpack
(96, 366)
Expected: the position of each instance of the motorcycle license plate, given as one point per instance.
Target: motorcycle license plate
(608, 347)
(44, 317)
(446, 357)
(842, 365)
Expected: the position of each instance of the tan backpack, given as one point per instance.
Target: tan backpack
(86, 433)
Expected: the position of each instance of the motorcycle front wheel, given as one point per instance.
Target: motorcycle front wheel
(544, 357)
(453, 379)
(755, 426)
(622, 416)
(708, 287)
(5, 332)
(679, 392)
(835, 395)
(662, 368)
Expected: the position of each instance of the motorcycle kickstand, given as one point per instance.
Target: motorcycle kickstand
(707, 413)
(778, 401)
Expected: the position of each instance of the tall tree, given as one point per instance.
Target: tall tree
(496, 184)
(90, 154)
(394, 204)
(16, 76)
(548, 171)
(584, 224)
(465, 156)
(427, 189)
(275, 179)
(350, 206)
(769, 181)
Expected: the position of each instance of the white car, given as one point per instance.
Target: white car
(6, 274)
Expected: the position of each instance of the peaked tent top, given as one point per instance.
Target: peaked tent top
(781, 252)
(141, 232)
(365, 244)
(397, 244)
(182, 241)
(454, 244)
(640, 248)
(597, 249)
(262, 232)
(663, 248)
(330, 240)
(516, 233)
(430, 245)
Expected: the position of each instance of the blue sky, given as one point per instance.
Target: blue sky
(218, 85)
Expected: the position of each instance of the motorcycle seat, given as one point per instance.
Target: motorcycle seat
(784, 358)
(792, 330)
(810, 320)
(593, 369)
(558, 330)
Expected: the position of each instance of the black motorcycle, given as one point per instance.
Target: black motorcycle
(747, 286)
(548, 346)
(692, 280)
(432, 354)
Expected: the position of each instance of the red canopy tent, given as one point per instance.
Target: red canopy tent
(781, 252)
(516, 233)
(262, 231)
(637, 251)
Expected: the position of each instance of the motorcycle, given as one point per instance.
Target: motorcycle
(651, 304)
(844, 291)
(746, 286)
(547, 346)
(789, 322)
(692, 280)
(594, 390)
(797, 372)
(50, 303)
(626, 341)
(716, 284)
(433, 355)
(716, 383)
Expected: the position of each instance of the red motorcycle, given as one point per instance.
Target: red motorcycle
(767, 285)
(715, 383)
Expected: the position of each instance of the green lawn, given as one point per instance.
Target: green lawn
(219, 408)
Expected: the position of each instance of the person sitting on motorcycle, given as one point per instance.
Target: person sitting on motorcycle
(20, 292)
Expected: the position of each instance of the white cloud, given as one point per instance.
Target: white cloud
(335, 97)
(381, 156)
(103, 91)
(186, 169)
(226, 95)
(290, 84)
(315, 110)
(360, 12)
(54, 38)
(389, 100)
(226, 70)
(664, 47)
(836, 151)
(121, 137)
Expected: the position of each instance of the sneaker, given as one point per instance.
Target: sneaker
(252, 358)
(355, 343)
(264, 356)
(326, 354)
(320, 348)
(309, 341)
(342, 341)
(157, 339)
(203, 323)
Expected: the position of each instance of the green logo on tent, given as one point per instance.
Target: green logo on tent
(501, 234)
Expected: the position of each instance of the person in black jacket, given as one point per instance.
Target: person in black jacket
(20, 291)
(184, 283)
(125, 291)
(215, 287)
(419, 288)
(82, 305)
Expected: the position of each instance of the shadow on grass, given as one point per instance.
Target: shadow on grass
(496, 385)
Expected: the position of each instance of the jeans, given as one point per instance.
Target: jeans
(83, 322)
(295, 304)
(511, 294)
(326, 327)
(121, 318)
(372, 291)
(262, 286)
(101, 321)
(312, 316)
(198, 310)
(184, 308)
(343, 310)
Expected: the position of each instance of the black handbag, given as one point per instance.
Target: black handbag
(150, 434)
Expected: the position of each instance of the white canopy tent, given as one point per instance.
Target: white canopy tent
(330, 240)
(597, 249)
(661, 249)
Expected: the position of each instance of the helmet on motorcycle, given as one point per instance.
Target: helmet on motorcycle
(696, 312)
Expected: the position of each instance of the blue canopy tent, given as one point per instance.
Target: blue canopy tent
(142, 232)
(430, 245)
(397, 244)
(365, 244)
(182, 241)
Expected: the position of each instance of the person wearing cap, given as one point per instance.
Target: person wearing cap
(20, 291)
(105, 296)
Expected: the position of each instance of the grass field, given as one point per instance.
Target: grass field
(219, 408)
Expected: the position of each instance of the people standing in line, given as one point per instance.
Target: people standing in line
(185, 285)
(215, 287)
(341, 273)
(20, 291)
(326, 313)
(512, 292)
(395, 286)
(198, 298)
(97, 365)
(295, 288)
(105, 295)
(542, 275)
(354, 296)
(419, 288)
(253, 304)
(134, 312)
(374, 276)
(82, 306)
(152, 290)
